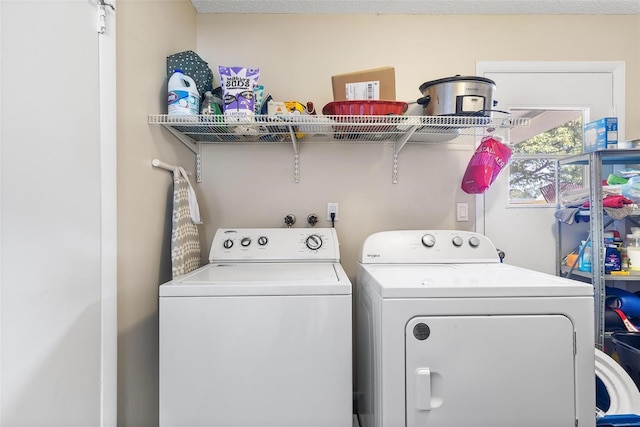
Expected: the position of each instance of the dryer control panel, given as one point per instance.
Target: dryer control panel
(275, 244)
(428, 247)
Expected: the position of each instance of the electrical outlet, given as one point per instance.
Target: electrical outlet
(332, 208)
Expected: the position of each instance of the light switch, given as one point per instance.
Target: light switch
(462, 212)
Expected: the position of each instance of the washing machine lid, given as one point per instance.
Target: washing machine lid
(261, 279)
(467, 281)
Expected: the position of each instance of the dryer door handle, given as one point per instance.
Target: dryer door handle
(423, 389)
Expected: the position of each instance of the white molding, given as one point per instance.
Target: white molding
(109, 280)
(617, 68)
(1, 280)
(422, 7)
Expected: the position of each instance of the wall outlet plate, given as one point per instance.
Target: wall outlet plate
(332, 208)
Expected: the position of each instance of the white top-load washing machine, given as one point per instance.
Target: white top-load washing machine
(448, 336)
(261, 336)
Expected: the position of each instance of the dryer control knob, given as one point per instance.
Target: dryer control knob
(314, 242)
(474, 242)
(429, 240)
(457, 241)
(263, 240)
(228, 244)
(246, 241)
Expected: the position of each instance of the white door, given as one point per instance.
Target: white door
(57, 215)
(526, 234)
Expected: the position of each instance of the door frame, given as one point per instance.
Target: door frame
(617, 68)
(109, 232)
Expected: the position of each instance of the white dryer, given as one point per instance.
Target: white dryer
(261, 336)
(447, 335)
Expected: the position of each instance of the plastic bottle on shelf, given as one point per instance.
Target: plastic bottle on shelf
(612, 261)
(584, 262)
(633, 250)
(581, 255)
(209, 105)
(183, 96)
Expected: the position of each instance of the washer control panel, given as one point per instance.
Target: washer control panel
(275, 244)
(428, 246)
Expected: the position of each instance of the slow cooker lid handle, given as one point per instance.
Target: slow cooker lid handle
(456, 78)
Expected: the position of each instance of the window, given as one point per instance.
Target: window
(553, 134)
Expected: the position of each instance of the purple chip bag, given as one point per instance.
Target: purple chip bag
(237, 91)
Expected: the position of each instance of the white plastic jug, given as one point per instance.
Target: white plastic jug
(633, 250)
(183, 97)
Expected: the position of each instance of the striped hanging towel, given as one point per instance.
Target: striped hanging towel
(185, 241)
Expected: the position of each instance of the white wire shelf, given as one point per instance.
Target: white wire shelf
(293, 128)
(194, 131)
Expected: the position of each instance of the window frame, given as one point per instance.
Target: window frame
(581, 111)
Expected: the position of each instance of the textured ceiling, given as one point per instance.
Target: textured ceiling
(429, 7)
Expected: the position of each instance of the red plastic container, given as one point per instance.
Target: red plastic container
(364, 108)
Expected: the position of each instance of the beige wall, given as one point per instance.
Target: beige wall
(146, 33)
(253, 186)
(298, 54)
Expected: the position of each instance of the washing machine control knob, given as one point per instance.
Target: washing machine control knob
(314, 242)
(228, 244)
(457, 241)
(429, 240)
(474, 242)
(263, 240)
(246, 241)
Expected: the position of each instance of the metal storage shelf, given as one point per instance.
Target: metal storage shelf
(604, 157)
(594, 162)
(632, 277)
(193, 131)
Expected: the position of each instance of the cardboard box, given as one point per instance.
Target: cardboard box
(376, 83)
(601, 134)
